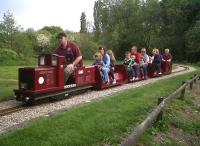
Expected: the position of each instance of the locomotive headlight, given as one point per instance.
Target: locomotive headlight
(23, 85)
(41, 80)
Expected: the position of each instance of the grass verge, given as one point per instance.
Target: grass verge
(102, 122)
(180, 125)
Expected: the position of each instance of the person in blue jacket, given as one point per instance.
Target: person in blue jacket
(106, 64)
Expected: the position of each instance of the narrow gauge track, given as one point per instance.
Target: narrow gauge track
(69, 93)
(43, 101)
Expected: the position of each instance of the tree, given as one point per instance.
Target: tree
(193, 43)
(97, 18)
(177, 17)
(53, 30)
(8, 28)
(83, 23)
(150, 22)
(23, 45)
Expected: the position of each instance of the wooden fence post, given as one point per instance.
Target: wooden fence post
(183, 91)
(195, 80)
(191, 83)
(160, 115)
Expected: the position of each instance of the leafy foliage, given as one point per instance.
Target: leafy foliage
(193, 42)
(83, 23)
(147, 23)
(53, 30)
(118, 24)
(8, 28)
(5, 53)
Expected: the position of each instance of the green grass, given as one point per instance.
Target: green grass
(102, 122)
(87, 62)
(6, 89)
(8, 81)
(20, 61)
(9, 72)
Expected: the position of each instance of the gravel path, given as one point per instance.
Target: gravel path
(8, 104)
(14, 120)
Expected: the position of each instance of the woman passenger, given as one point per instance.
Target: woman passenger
(112, 65)
(106, 64)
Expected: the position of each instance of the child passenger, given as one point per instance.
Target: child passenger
(128, 63)
(98, 62)
(112, 65)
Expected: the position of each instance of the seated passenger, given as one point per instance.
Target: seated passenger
(112, 65)
(133, 58)
(136, 66)
(71, 52)
(98, 62)
(144, 63)
(128, 62)
(167, 57)
(157, 61)
(106, 64)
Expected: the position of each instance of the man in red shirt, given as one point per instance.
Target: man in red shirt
(71, 52)
(136, 66)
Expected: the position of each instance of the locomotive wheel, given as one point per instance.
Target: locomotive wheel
(28, 100)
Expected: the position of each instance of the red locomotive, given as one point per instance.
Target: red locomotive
(47, 80)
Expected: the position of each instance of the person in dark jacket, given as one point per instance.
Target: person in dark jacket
(157, 61)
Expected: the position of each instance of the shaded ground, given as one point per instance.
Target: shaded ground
(181, 124)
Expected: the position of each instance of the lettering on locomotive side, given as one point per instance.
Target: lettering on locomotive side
(69, 86)
(46, 72)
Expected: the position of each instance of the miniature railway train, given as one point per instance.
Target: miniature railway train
(47, 80)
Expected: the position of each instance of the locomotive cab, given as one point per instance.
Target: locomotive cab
(51, 60)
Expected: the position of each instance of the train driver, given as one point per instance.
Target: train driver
(71, 52)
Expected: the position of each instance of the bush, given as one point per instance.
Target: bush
(87, 45)
(6, 54)
(10, 57)
(23, 45)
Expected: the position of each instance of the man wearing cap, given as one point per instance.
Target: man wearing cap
(71, 52)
